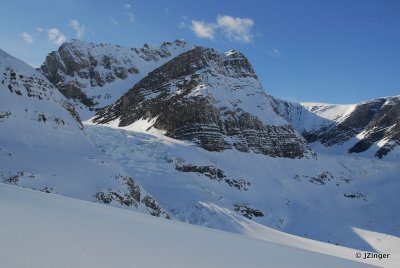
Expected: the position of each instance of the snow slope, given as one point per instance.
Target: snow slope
(43, 147)
(321, 198)
(308, 117)
(44, 230)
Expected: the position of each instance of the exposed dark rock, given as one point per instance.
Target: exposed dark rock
(323, 178)
(4, 115)
(153, 207)
(37, 87)
(357, 121)
(198, 118)
(377, 120)
(247, 211)
(15, 177)
(357, 195)
(131, 196)
(95, 65)
(217, 174)
(73, 90)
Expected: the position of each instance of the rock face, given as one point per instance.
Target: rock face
(212, 99)
(94, 74)
(43, 145)
(368, 126)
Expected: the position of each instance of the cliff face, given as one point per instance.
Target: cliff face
(368, 126)
(212, 99)
(95, 75)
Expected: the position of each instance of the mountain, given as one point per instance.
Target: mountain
(201, 134)
(370, 128)
(212, 99)
(95, 75)
(43, 145)
(198, 132)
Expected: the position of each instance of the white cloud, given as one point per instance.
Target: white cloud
(234, 28)
(127, 6)
(79, 28)
(274, 52)
(56, 36)
(238, 29)
(27, 37)
(203, 29)
(40, 30)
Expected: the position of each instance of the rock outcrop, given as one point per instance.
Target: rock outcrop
(94, 74)
(212, 99)
(368, 126)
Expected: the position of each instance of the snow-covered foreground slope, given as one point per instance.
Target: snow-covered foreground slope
(321, 198)
(44, 230)
(43, 147)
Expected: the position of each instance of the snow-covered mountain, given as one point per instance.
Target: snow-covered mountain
(95, 75)
(202, 136)
(43, 145)
(196, 129)
(370, 128)
(212, 99)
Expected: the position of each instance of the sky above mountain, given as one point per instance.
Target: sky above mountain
(328, 51)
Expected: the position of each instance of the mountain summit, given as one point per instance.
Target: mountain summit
(212, 99)
(95, 75)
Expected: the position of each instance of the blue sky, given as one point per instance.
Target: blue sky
(335, 51)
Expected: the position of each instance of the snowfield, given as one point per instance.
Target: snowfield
(322, 199)
(321, 210)
(46, 230)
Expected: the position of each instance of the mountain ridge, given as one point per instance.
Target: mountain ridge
(200, 134)
(210, 97)
(369, 127)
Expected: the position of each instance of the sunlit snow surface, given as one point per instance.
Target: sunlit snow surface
(44, 230)
(42, 146)
(361, 193)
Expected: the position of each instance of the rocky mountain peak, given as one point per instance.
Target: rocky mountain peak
(212, 99)
(95, 75)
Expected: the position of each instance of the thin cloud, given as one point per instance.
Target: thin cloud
(114, 21)
(203, 29)
(56, 36)
(131, 16)
(183, 23)
(238, 29)
(39, 29)
(128, 13)
(27, 37)
(79, 28)
(274, 52)
(233, 28)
